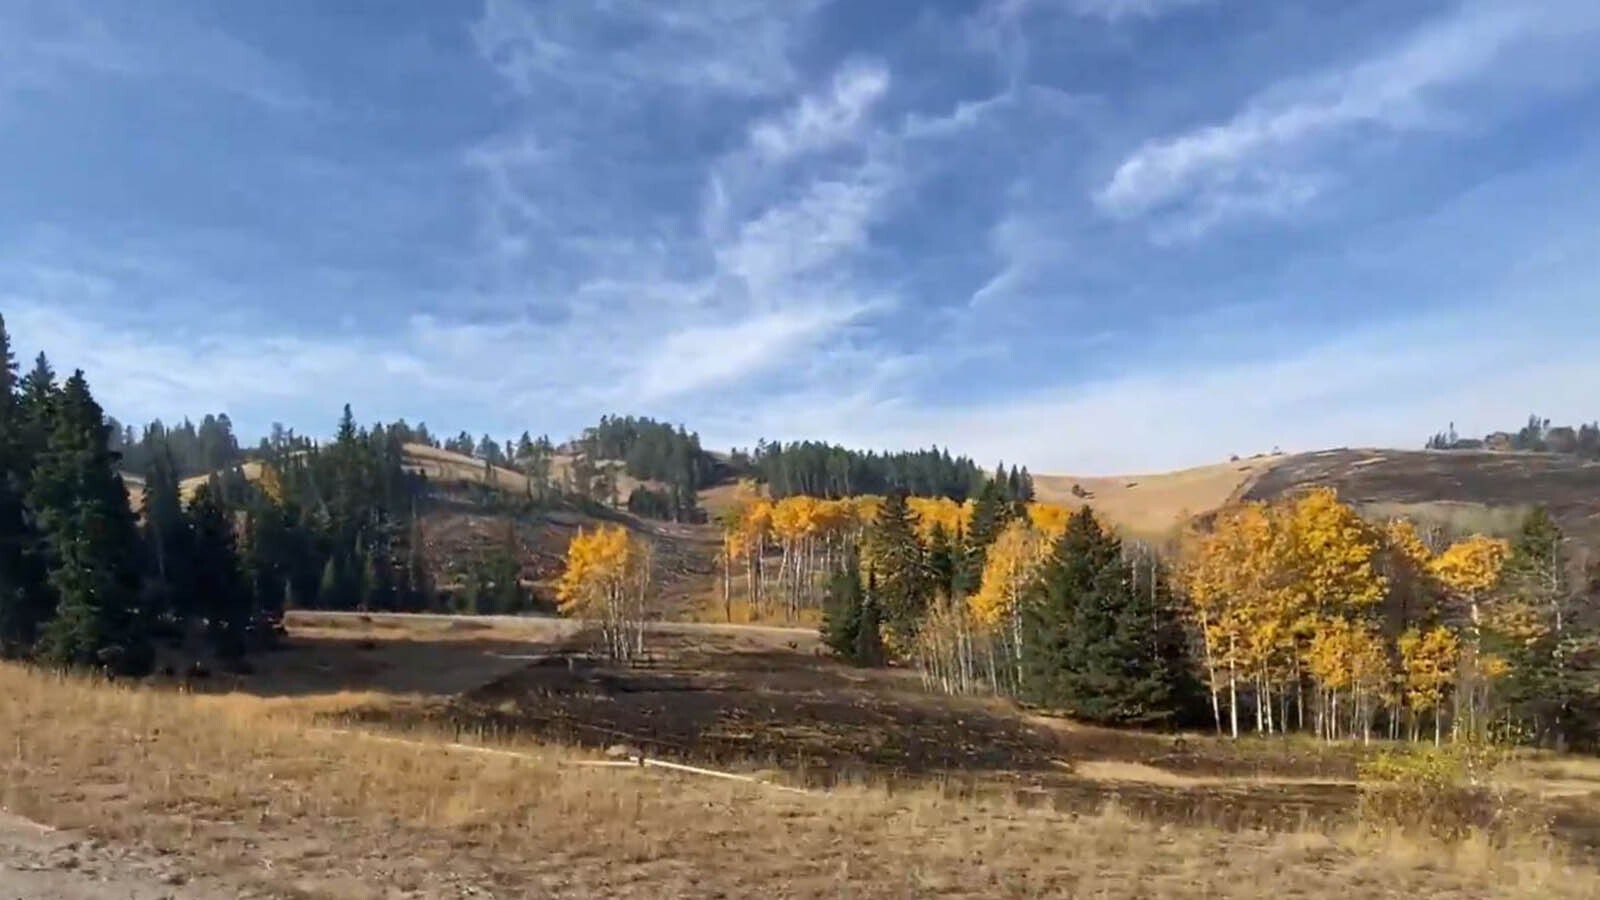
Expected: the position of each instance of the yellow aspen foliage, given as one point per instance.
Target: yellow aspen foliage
(835, 517)
(607, 578)
(794, 517)
(756, 523)
(1346, 655)
(1403, 541)
(1012, 562)
(1471, 567)
(1238, 586)
(935, 511)
(1428, 660)
(1333, 555)
(1049, 518)
(597, 564)
(867, 506)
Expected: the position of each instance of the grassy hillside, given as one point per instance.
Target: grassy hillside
(1152, 506)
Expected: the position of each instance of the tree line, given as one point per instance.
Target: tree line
(1538, 435)
(824, 470)
(82, 581)
(192, 449)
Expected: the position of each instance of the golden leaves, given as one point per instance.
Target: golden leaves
(1428, 661)
(1013, 561)
(1471, 566)
(599, 563)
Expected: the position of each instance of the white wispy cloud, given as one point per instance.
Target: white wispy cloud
(821, 121)
(738, 47)
(1119, 10)
(666, 303)
(48, 46)
(1247, 165)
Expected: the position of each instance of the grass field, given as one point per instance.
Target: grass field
(275, 784)
(1151, 507)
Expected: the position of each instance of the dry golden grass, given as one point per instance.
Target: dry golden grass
(1453, 518)
(250, 789)
(1152, 506)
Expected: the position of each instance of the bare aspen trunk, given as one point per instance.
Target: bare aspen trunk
(1233, 695)
(727, 586)
(1211, 678)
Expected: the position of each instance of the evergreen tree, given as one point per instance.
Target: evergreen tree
(167, 535)
(93, 542)
(841, 611)
(222, 597)
(869, 630)
(942, 561)
(990, 515)
(24, 595)
(1099, 644)
(1026, 493)
(901, 566)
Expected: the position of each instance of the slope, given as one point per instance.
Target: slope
(1458, 490)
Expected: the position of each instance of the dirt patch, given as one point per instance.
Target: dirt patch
(40, 863)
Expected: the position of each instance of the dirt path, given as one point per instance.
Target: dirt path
(40, 863)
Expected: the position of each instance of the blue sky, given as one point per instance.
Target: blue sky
(1086, 235)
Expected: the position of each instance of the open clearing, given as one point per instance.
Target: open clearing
(260, 786)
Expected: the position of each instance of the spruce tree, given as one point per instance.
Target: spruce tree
(841, 611)
(222, 597)
(94, 549)
(942, 561)
(901, 567)
(990, 515)
(24, 595)
(1099, 644)
(167, 536)
(869, 630)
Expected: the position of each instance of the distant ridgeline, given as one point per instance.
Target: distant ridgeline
(1536, 436)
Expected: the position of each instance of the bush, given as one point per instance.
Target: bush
(1446, 792)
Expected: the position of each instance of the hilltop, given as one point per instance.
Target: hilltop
(1456, 490)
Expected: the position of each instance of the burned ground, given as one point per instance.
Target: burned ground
(1402, 481)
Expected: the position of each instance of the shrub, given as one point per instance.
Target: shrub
(1447, 792)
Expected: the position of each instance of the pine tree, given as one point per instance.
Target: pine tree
(901, 566)
(990, 514)
(93, 542)
(222, 597)
(168, 539)
(869, 631)
(1100, 645)
(24, 596)
(942, 561)
(841, 612)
